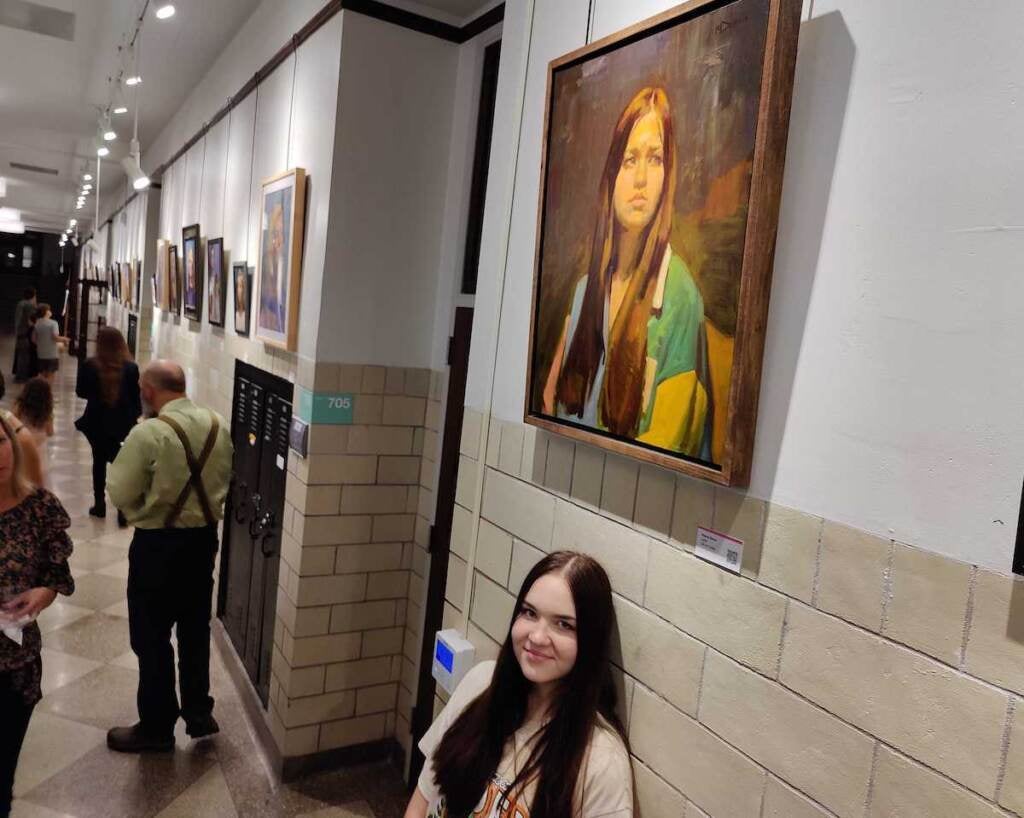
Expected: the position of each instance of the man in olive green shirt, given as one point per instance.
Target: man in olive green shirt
(170, 480)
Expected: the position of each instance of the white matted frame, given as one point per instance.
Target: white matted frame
(279, 260)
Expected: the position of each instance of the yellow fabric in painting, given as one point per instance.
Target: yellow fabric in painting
(720, 352)
(677, 419)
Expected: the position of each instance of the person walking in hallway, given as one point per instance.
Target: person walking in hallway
(34, 408)
(46, 336)
(24, 351)
(34, 551)
(110, 385)
(170, 479)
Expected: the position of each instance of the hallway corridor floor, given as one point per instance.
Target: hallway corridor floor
(89, 683)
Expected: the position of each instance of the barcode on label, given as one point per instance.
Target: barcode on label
(721, 549)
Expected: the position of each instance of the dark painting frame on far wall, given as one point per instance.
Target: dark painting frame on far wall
(192, 272)
(216, 284)
(279, 270)
(173, 281)
(664, 147)
(241, 281)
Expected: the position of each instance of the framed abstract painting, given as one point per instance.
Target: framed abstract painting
(279, 270)
(661, 179)
(192, 268)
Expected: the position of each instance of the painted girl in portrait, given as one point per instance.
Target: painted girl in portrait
(632, 355)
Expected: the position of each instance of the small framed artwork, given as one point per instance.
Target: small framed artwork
(133, 334)
(126, 283)
(278, 275)
(173, 281)
(192, 266)
(216, 283)
(113, 277)
(137, 285)
(160, 275)
(242, 281)
(661, 180)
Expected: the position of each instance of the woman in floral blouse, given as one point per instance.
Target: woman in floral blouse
(34, 551)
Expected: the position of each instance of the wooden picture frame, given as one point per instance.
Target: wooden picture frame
(173, 281)
(160, 275)
(279, 263)
(216, 282)
(136, 273)
(192, 272)
(241, 281)
(665, 384)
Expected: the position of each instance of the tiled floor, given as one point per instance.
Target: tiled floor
(89, 682)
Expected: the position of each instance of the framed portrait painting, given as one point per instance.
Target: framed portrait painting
(217, 285)
(661, 179)
(173, 281)
(279, 268)
(192, 269)
(242, 288)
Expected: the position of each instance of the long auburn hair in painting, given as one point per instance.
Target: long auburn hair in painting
(622, 389)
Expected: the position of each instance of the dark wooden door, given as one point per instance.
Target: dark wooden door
(441, 532)
(261, 415)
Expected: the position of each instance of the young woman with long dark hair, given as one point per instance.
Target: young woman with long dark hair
(535, 734)
(109, 382)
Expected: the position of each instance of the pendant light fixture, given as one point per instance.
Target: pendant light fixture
(164, 11)
(132, 163)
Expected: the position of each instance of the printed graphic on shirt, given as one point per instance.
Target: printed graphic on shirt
(492, 805)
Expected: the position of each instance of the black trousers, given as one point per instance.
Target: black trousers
(103, 452)
(14, 718)
(170, 584)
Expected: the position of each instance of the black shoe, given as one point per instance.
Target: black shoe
(202, 726)
(134, 740)
(121, 521)
(98, 511)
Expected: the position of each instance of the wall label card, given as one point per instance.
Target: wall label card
(721, 549)
(333, 408)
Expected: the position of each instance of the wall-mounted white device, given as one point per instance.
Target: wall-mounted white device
(453, 657)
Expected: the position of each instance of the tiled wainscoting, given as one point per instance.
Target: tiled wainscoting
(354, 559)
(841, 674)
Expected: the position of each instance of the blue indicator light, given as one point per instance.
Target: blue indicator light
(444, 656)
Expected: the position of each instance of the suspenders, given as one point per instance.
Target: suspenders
(195, 467)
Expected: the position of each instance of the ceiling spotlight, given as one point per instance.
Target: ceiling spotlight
(106, 130)
(134, 79)
(133, 167)
(102, 150)
(79, 206)
(87, 186)
(73, 222)
(121, 109)
(164, 11)
(87, 177)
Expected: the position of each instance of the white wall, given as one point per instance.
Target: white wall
(890, 396)
(395, 110)
(288, 121)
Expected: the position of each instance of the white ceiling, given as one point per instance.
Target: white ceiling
(50, 90)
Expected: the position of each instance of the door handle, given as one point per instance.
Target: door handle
(267, 532)
(254, 521)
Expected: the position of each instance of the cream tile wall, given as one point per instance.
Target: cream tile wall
(351, 585)
(840, 675)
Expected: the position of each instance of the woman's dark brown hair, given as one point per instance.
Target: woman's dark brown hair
(111, 355)
(622, 391)
(469, 754)
(34, 405)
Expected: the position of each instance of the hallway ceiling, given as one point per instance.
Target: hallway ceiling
(51, 89)
(54, 84)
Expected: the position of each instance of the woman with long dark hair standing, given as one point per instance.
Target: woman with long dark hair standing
(535, 734)
(109, 382)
